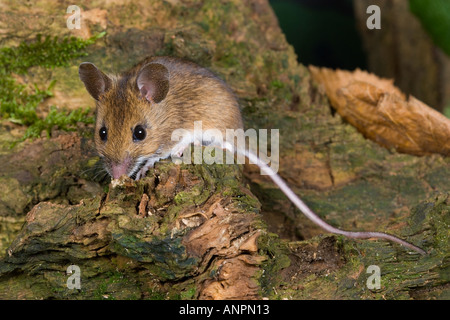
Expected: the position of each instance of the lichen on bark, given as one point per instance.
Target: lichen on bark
(209, 231)
(163, 241)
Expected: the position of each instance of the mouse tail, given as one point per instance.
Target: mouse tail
(311, 215)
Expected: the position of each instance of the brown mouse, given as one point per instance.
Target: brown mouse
(137, 112)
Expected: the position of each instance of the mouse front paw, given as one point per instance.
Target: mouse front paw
(149, 164)
(177, 153)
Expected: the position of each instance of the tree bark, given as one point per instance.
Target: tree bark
(403, 51)
(215, 231)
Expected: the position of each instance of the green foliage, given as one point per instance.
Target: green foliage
(435, 18)
(64, 121)
(18, 102)
(48, 53)
(447, 111)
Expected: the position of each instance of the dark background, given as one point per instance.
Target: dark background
(407, 49)
(322, 32)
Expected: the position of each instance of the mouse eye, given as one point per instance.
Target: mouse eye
(139, 133)
(103, 133)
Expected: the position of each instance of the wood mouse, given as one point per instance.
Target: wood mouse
(138, 110)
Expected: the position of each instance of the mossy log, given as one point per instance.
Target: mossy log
(214, 231)
(184, 232)
(196, 232)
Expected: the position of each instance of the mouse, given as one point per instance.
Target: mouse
(138, 110)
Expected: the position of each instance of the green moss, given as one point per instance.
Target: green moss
(276, 252)
(277, 84)
(437, 178)
(115, 285)
(165, 257)
(188, 294)
(18, 102)
(48, 53)
(401, 270)
(63, 120)
(9, 227)
(155, 295)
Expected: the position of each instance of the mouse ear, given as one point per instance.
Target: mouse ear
(95, 81)
(153, 82)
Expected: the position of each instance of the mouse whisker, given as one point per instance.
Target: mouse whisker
(139, 164)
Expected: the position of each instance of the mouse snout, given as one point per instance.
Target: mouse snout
(120, 169)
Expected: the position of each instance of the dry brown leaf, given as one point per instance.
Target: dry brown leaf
(381, 112)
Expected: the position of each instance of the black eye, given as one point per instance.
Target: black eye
(103, 133)
(139, 133)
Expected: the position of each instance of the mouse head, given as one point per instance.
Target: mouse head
(129, 116)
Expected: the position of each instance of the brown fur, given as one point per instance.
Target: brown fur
(195, 94)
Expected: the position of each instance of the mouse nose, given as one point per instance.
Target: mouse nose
(120, 169)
